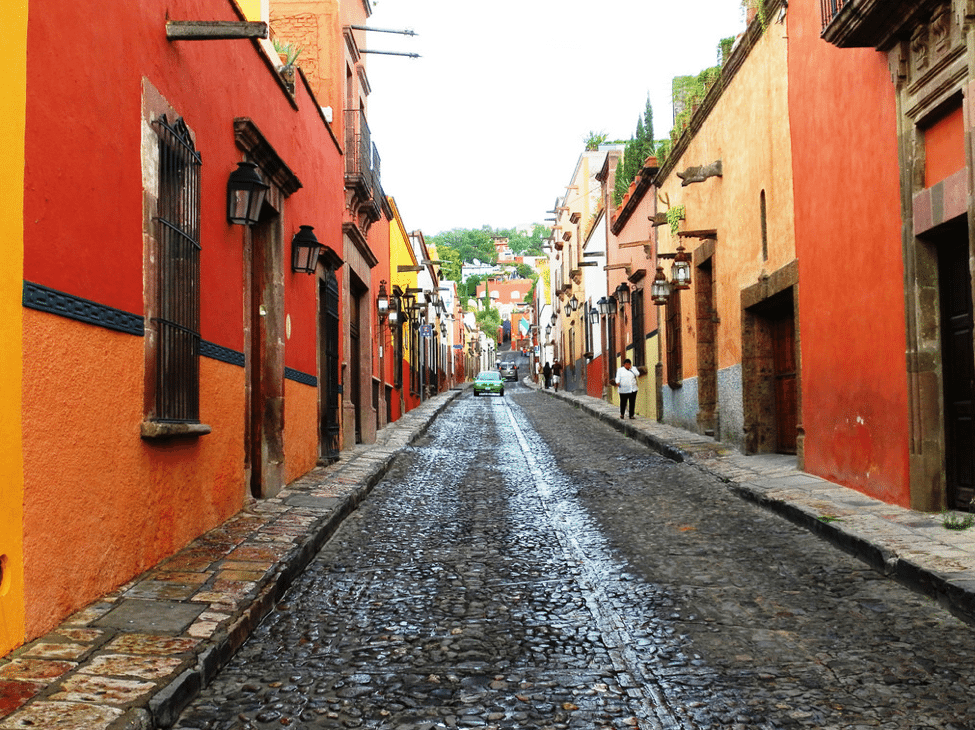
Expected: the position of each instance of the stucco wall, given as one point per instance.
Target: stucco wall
(850, 263)
(13, 54)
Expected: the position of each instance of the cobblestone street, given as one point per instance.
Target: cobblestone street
(526, 566)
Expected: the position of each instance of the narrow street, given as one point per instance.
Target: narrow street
(526, 566)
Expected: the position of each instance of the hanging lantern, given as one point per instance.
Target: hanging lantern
(660, 288)
(623, 294)
(680, 272)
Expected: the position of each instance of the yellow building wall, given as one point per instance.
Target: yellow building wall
(401, 254)
(13, 100)
(748, 130)
(254, 10)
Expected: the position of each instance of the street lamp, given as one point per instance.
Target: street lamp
(555, 318)
(245, 194)
(594, 315)
(574, 302)
(603, 304)
(304, 250)
(382, 300)
(660, 288)
(568, 309)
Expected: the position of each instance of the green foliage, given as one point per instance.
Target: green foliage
(488, 321)
(688, 93)
(674, 216)
(637, 149)
(593, 140)
(450, 263)
(724, 49)
(290, 51)
(460, 246)
(468, 244)
(524, 271)
(957, 522)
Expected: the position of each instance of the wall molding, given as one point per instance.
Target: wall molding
(45, 299)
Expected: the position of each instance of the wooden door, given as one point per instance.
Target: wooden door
(958, 368)
(784, 367)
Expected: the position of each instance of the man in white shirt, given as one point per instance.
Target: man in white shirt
(625, 381)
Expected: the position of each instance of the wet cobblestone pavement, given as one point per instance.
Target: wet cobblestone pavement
(527, 567)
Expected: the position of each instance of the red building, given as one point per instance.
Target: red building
(172, 358)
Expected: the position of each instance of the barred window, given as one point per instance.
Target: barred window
(639, 332)
(176, 314)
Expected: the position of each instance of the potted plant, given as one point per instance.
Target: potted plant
(287, 53)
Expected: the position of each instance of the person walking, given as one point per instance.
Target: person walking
(547, 374)
(626, 384)
(556, 375)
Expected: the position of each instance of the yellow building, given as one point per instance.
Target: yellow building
(13, 100)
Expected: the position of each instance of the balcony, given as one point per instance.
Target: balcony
(870, 23)
(362, 166)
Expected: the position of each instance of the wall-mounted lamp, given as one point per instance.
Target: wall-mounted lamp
(555, 318)
(603, 305)
(680, 272)
(594, 315)
(245, 194)
(568, 309)
(548, 331)
(574, 302)
(382, 300)
(623, 295)
(304, 251)
(660, 288)
(443, 328)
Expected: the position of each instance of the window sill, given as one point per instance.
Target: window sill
(153, 430)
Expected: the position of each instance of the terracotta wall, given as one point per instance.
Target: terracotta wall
(847, 221)
(748, 131)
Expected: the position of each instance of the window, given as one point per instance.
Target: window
(763, 213)
(174, 352)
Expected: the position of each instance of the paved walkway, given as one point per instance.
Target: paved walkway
(133, 659)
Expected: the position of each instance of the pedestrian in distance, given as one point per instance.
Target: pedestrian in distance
(556, 375)
(626, 384)
(547, 374)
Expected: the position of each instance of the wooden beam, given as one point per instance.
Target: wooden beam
(703, 233)
(213, 30)
(634, 244)
(403, 269)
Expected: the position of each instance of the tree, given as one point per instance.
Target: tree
(635, 152)
(450, 263)
(488, 321)
(593, 140)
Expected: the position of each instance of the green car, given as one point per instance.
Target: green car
(489, 381)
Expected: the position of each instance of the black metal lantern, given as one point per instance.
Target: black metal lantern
(382, 300)
(611, 304)
(660, 288)
(555, 318)
(623, 294)
(594, 315)
(603, 305)
(568, 309)
(548, 331)
(574, 302)
(245, 194)
(443, 328)
(304, 250)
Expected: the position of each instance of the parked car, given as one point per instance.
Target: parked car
(508, 370)
(488, 381)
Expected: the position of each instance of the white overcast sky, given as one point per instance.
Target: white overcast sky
(487, 127)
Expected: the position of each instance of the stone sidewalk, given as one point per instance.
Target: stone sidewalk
(136, 657)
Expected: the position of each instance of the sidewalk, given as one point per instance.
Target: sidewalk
(913, 548)
(135, 658)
